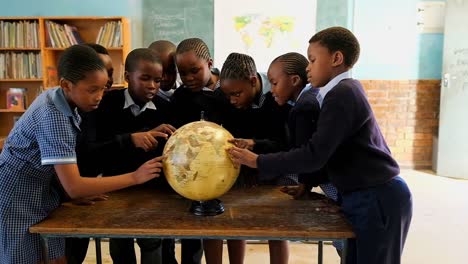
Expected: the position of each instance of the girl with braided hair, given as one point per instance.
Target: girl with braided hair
(194, 100)
(41, 149)
(257, 122)
(288, 77)
(199, 79)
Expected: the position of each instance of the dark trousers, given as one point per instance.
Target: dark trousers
(76, 249)
(380, 217)
(122, 250)
(192, 251)
(168, 251)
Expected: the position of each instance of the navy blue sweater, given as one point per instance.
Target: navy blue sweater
(302, 124)
(114, 127)
(348, 140)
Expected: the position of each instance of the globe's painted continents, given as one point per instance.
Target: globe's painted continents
(197, 165)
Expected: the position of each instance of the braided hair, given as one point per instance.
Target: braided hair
(137, 55)
(294, 63)
(196, 45)
(238, 66)
(339, 39)
(78, 60)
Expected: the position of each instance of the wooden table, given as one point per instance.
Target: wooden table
(259, 213)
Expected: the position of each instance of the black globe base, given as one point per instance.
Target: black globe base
(207, 208)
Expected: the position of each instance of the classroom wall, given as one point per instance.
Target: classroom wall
(392, 47)
(400, 68)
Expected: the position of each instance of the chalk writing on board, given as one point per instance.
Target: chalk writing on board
(168, 26)
(460, 51)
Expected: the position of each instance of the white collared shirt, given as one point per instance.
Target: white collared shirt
(305, 89)
(330, 85)
(266, 87)
(134, 107)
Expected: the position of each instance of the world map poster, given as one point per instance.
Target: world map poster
(263, 29)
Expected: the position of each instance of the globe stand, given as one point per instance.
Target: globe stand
(207, 208)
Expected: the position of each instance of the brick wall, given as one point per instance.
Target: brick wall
(408, 115)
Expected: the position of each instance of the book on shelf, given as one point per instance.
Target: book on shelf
(20, 65)
(61, 36)
(110, 35)
(16, 99)
(19, 34)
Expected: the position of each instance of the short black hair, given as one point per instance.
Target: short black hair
(196, 45)
(294, 64)
(137, 55)
(98, 48)
(238, 66)
(339, 39)
(161, 46)
(78, 60)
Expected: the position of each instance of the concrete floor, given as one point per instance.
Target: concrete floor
(438, 232)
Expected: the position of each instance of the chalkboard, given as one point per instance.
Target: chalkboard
(176, 20)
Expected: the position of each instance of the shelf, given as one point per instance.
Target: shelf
(20, 18)
(20, 80)
(20, 49)
(62, 49)
(45, 74)
(119, 85)
(67, 18)
(12, 111)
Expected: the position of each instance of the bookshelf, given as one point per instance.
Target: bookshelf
(31, 46)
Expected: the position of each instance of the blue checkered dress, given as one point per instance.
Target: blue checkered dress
(44, 136)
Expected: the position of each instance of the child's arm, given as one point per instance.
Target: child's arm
(334, 126)
(243, 143)
(77, 186)
(146, 140)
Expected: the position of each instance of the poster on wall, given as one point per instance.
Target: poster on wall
(263, 29)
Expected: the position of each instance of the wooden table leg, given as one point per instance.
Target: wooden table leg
(97, 241)
(344, 252)
(45, 249)
(320, 252)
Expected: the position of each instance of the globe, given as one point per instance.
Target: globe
(197, 165)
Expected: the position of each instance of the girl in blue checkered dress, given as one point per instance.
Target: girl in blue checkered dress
(39, 154)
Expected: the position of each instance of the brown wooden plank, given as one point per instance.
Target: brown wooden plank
(260, 212)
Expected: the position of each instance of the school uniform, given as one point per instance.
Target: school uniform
(375, 200)
(43, 137)
(302, 123)
(189, 106)
(264, 122)
(117, 118)
(89, 165)
(167, 95)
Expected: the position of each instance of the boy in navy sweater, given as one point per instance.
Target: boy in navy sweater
(375, 199)
(131, 127)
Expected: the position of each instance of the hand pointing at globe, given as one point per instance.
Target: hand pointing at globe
(165, 128)
(242, 156)
(149, 170)
(147, 140)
